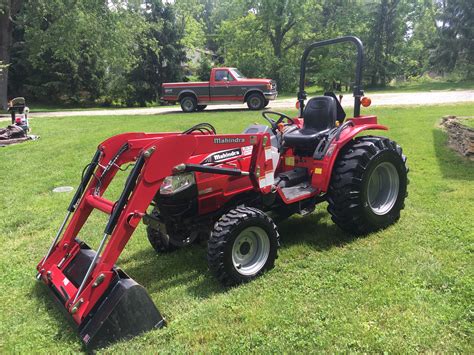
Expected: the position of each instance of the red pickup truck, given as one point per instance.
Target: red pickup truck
(227, 85)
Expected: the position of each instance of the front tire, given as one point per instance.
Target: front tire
(255, 101)
(368, 185)
(158, 240)
(243, 245)
(188, 104)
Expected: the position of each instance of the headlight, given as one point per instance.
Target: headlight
(175, 183)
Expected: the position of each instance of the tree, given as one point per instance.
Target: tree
(160, 52)
(266, 40)
(386, 32)
(204, 70)
(454, 48)
(190, 23)
(8, 11)
(70, 51)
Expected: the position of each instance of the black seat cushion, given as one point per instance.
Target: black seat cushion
(319, 117)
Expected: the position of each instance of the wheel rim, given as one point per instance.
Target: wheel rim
(255, 102)
(250, 250)
(188, 105)
(383, 187)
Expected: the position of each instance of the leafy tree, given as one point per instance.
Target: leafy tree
(70, 48)
(454, 48)
(385, 39)
(161, 54)
(204, 70)
(267, 39)
(190, 21)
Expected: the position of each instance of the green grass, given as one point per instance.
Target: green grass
(408, 288)
(415, 86)
(409, 86)
(468, 121)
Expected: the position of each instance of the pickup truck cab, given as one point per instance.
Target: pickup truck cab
(226, 85)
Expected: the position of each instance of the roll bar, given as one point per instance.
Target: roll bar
(358, 92)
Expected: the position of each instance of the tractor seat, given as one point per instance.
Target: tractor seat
(319, 117)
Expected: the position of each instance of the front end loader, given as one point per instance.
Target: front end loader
(228, 189)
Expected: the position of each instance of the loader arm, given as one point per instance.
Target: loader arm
(154, 157)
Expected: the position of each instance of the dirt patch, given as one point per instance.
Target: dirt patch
(460, 136)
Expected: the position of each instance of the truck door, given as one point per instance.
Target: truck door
(223, 87)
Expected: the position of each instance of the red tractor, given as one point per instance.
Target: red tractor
(227, 188)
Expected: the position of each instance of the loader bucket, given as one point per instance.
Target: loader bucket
(124, 311)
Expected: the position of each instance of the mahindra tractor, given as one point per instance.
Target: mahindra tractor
(229, 189)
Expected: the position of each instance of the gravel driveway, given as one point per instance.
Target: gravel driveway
(397, 99)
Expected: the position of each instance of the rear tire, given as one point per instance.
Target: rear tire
(188, 104)
(255, 101)
(368, 185)
(201, 108)
(243, 245)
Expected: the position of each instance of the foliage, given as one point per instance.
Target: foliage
(120, 51)
(190, 23)
(204, 70)
(72, 51)
(160, 54)
(405, 289)
(454, 48)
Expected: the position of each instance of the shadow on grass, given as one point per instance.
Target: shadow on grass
(188, 266)
(64, 326)
(452, 165)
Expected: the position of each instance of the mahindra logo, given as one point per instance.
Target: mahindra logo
(226, 155)
(228, 140)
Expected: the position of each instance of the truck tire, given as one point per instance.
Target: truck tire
(242, 246)
(368, 185)
(201, 107)
(255, 101)
(188, 104)
(266, 103)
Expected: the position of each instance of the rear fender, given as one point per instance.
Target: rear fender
(187, 92)
(321, 176)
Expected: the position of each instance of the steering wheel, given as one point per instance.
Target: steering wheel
(280, 119)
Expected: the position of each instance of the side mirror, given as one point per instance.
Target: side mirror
(225, 78)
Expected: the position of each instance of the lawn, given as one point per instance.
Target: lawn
(409, 86)
(408, 288)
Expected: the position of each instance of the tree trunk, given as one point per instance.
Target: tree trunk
(6, 28)
(5, 38)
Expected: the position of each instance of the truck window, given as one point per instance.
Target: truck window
(237, 74)
(222, 74)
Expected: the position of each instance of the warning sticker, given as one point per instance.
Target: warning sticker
(268, 153)
(266, 180)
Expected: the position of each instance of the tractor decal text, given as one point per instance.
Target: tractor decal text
(228, 140)
(227, 154)
(224, 155)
